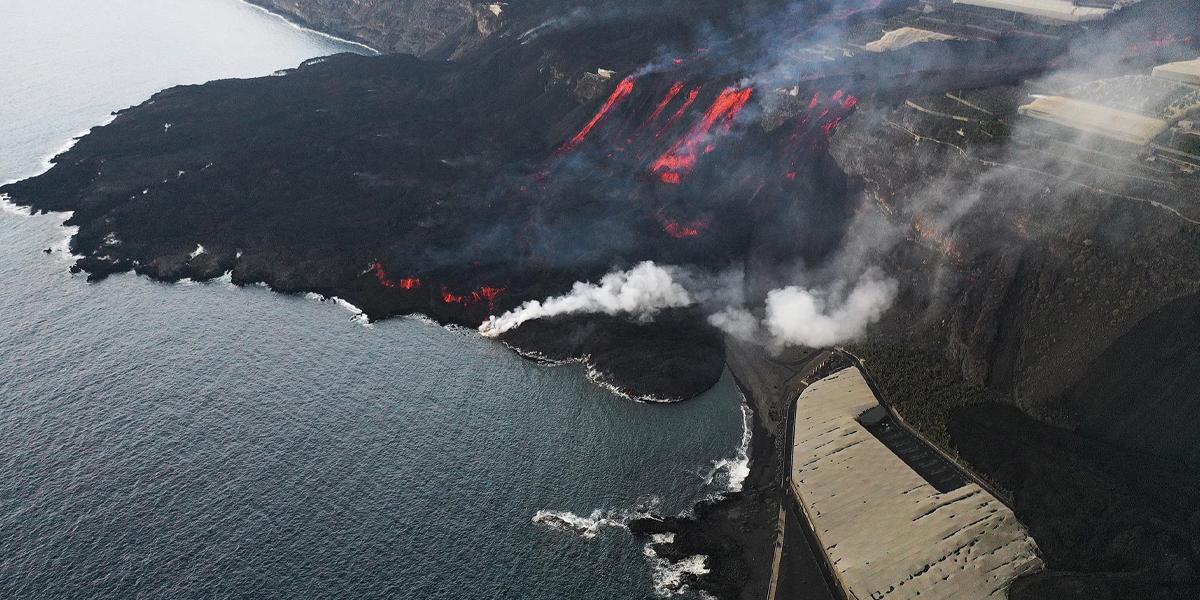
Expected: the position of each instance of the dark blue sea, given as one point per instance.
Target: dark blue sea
(209, 441)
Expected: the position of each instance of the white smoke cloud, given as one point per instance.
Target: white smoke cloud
(815, 318)
(793, 315)
(641, 291)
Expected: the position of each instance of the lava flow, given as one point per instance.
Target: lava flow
(678, 114)
(680, 159)
(680, 230)
(624, 89)
(1159, 41)
(820, 115)
(475, 297)
(671, 93)
(408, 283)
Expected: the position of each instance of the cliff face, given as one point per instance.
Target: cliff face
(403, 26)
(1061, 276)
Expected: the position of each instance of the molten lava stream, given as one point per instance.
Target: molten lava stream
(475, 297)
(678, 114)
(825, 118)
(624, 89)
(408, 283)
(681, 230)
(666, 101)
(681, 158)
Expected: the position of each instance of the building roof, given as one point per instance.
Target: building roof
(1064, 11)
(906, 36)
(886, 530)
(1187, 71)
(1095, 119)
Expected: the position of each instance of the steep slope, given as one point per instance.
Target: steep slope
(404, 26)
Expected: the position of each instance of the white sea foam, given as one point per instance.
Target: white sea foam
(312, 31)
(734, 471)
(359, 317)
(599, 378)
(540, 358)
(669, 576)
(459, 329)
(198, 251)
(586, 527)
(7, 205)
(422, 318)
(593, 374)
(62, 248)
(346, 305)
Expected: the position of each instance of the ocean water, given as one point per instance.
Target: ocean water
(209, 441)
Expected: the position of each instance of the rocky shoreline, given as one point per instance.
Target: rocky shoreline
(462, 189)
(735, 532)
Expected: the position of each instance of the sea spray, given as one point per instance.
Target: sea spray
(8, 206)
(587, 527)
(669, 576)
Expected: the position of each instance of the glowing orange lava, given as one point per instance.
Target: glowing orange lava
(682, 229)
(671, 93)
(681, 158)
(408, 283)
(621, 93)
(823, 116)
(490, 294)
(678, 114)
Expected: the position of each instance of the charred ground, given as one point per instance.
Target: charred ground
(460, 189)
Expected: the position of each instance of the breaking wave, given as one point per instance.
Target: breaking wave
(587, 527)
(299, 27)
(670, 577)
(8, 206)
(732, 472)
(599, 378)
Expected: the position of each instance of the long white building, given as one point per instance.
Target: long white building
(887, 532)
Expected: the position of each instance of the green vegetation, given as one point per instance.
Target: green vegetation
(921, 386)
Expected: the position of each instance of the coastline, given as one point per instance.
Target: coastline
(737, 531)
(309, 28)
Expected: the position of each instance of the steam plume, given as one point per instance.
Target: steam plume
(796, 316)
(641, 291)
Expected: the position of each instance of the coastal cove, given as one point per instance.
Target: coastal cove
(205, 439)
